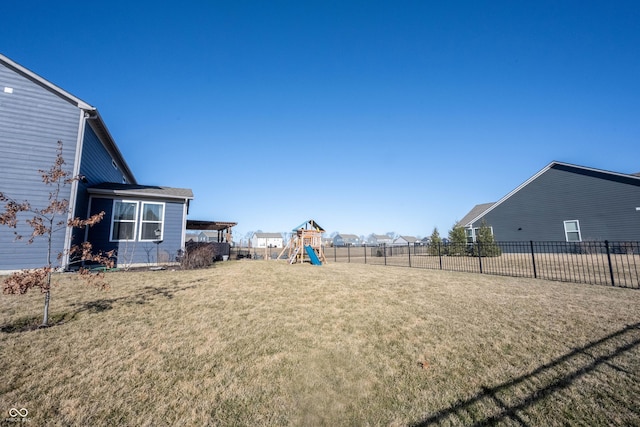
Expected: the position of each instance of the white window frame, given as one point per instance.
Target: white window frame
(134, 221)
(472, 232)
(566, 232)
(143, 221)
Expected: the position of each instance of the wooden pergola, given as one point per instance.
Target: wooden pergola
(223, 228)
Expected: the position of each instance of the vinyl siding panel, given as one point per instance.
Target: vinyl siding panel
(96, 166)
(605, 207)
(32, 120)
(136, 252)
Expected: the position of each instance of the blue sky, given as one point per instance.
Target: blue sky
(367, 116)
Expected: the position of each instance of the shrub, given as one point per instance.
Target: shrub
(197, 256)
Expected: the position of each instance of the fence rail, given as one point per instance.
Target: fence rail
(599, 263)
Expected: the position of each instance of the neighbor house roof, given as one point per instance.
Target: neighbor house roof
(136, 190)
(474, 212)
(91, 113)
(268, 235)
(382, 237)
(349, 236)
(632, 179)
(209, 233)
(409, 239)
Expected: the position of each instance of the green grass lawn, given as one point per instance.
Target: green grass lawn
(267, 343)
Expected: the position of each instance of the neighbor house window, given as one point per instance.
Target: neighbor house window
(473, 233)
(123, 222)
(151, 221)
(572, 231)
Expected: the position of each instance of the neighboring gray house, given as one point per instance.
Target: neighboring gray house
(207, 236)
(406, 240)
(346, 240)
(190, 237)
(564, 202)
(379, 240)
(267, 240)
(327, 241)
(34, 115)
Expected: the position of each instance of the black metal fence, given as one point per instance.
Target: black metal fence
(599, 263)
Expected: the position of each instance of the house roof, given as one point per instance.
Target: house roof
(408, 238)
(473, 213)
(209, 233)
(632, 179)
(268, 235)
(190, 237)
(348, 236)
(91, 113)
(382, 237)
(136, 190)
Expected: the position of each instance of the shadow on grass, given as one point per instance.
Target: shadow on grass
(145, 296)
(540, 383)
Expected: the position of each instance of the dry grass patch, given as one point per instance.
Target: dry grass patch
(267, 343)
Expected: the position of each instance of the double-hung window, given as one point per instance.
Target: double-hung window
(151, 221)
(123, 223)
(572, 231)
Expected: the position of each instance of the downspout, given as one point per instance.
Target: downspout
(84, 115)
(185, 212)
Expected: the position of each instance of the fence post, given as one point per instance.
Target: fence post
(479, 256)
(384, 249)
(349, 253)
(409, 250)
(365, 253)
(606, 245)
(335, 254)
(439, 255)
(533, 260)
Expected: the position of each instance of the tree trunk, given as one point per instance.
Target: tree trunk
(45, 316)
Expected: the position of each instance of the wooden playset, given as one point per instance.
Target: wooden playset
(305, 244)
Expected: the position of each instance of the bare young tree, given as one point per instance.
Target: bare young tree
(46, 223)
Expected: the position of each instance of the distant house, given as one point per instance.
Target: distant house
(267, 240)
(406, 240)
(564, 202)
(190, 237)
(211, 231)
(346, 240)
(207, 236)
(140, 221)
(379, 240)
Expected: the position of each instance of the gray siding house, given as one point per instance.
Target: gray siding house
(207, 236)
(34, 115)
(379, 240)
(564, 202)
(346, 240)
(406, 240)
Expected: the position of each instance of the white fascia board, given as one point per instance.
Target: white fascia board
(520, 187)
(134, 194)
(43, 82)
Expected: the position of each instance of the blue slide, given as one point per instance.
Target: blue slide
(312, 255)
